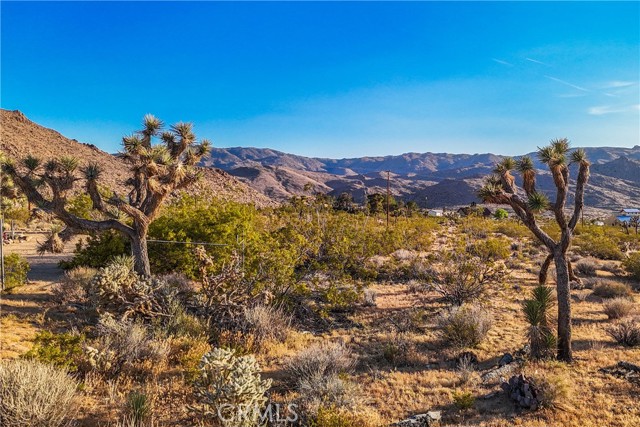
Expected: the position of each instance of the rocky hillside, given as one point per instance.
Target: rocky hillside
(20, 137)
(430, 179)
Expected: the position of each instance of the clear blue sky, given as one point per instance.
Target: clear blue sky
(330, 79)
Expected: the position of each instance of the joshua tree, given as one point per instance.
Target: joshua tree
(157, 170)
(501, 188)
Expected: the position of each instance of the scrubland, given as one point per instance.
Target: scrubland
(354, 323)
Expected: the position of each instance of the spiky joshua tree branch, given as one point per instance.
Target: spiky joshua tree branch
(527, 202)
(157, 170)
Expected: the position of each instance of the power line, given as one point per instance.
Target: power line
(188, 243)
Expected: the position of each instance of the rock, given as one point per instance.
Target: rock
(522, 392)
(431, 418)
(505, 359)
(491, 394)
(503, 371)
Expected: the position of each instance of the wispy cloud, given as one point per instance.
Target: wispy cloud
(537, 62)
(601, 110)
(555, 79)
(616, 84)
(572, 95)
(500, 61)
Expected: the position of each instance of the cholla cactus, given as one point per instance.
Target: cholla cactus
(230, 388)
(118, 289)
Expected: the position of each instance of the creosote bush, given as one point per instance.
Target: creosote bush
(464, 326)
(34, 394)
(632, 265)
(226, 381)
(61, 350)
(618, 308)
(16, 268)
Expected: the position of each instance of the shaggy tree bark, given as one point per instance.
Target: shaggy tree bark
(157, 171)
(500, 188)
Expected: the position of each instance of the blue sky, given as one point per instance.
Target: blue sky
(330, 79)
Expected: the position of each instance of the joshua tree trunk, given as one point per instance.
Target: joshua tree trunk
(140, 255)
(564, 305)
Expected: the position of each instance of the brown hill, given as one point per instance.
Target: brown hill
(20, 137)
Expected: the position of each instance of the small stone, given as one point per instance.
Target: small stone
(505, 359)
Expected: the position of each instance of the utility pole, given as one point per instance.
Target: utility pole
(388, 197)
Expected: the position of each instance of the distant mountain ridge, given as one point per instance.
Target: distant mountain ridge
(431, 179)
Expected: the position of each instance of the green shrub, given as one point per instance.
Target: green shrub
(15, 270)
(537, 311)
(491, 249)
(610, 289)
(463, 400)
(98, 250)
(61, 350)
(501, 214)
(330, 416)
(632, 265)
(464, 326)
(35, 394)
(597, 244)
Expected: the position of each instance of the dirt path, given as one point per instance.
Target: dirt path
(23, 310)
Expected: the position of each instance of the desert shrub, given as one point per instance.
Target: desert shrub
(587, 268)
(463, 400)
(339, 298)
(118, 290)
(632, 265)
(618, 308)
(598, 245)
(124, 345)
(73, 286)
(98, 250)
(537, 311)
(369, 297)
(187, 353)
(491, 249)
(626, 332)
(554, 389)
(320, 360)
(336, 417)
(182, 324)
(34, 394)
(227, 381)
(60, 350)
(512, 229)
(610, 289)
(398, 350)
(266, 323)
(501, 214)
(465, 278)
(464, 326)
(15, 270)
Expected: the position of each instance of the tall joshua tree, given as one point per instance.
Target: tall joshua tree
(501, 188)
(156, 171)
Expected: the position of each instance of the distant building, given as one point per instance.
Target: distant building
(435, 212)
(598, 223)
(630, 212)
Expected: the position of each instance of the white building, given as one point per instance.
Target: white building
(436, 212)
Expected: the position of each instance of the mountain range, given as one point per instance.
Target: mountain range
(430, 179)
(265, 177)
